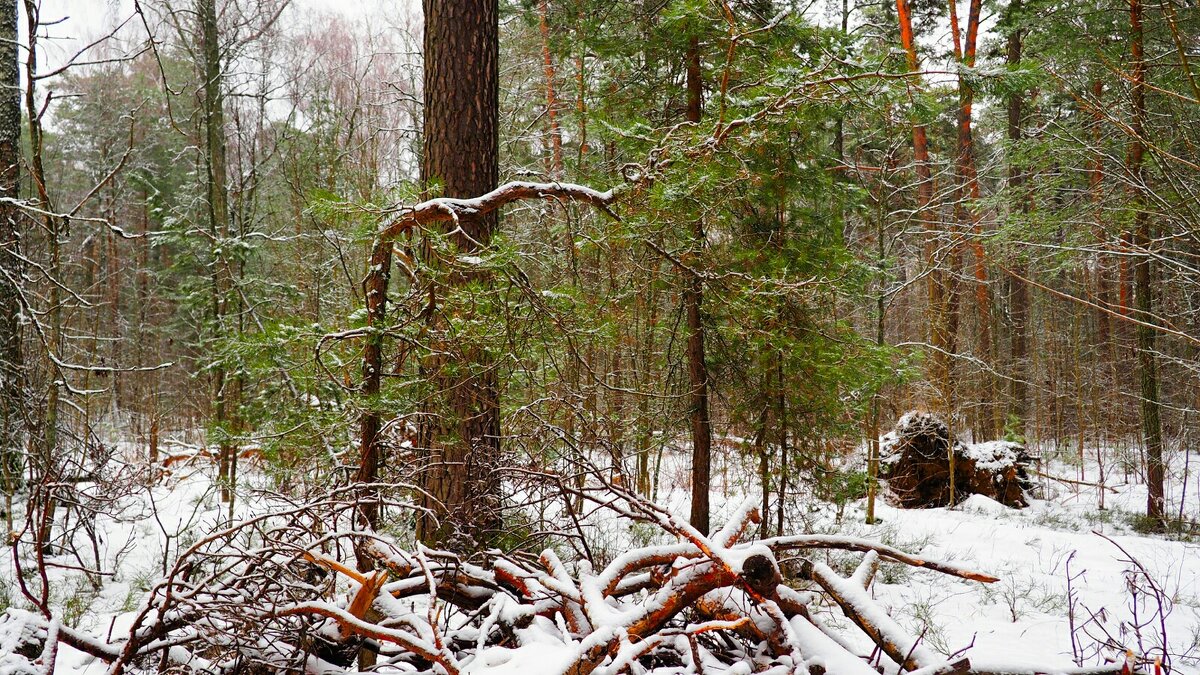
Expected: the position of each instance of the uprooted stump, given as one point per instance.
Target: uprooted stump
(915, 462)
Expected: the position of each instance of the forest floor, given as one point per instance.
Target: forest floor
(1057, 571)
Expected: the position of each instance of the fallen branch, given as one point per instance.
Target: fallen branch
(805, 541)
(1068, 481)
(902, 648)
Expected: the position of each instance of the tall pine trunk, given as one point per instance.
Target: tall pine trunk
(938, 293)
(11, 365)
(1018, 292)
(693, 300)
(554, 164)
(1143, 292)
(218, 222)
(462, 94)
(968, 189)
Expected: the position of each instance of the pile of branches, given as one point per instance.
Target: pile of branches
(277, 594)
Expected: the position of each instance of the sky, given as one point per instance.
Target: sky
(84, 20)
(87, 19)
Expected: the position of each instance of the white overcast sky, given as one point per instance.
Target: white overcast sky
(86, 20)
(82, 21)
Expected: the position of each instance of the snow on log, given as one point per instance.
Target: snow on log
(857, 605)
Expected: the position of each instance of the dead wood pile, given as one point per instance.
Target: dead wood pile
(272, 596)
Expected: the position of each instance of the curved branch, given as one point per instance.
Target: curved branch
(445, 209)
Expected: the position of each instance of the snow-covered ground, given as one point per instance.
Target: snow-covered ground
(1027, 617)
(1036, 551)
(137, 537)
(1056, 569)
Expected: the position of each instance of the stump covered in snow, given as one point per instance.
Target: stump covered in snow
(915, 462)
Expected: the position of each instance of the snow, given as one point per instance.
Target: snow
(547, 657)
(1026, 613)
(888, 452)
(993, 455)
(859, 599)
(1021, 621)
(981, 505)
(826, 652)
(1027, 548)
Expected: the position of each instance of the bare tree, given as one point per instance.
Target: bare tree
(12, 390)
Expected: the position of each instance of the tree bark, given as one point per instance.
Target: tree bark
(969, 190)
(938, 293)
(880, 340)
(555, 163)
(581, 92)
(46, 455)
(11, 364)
(218, 222)
(375, 289)
(461, 149)
(1018, 294)
(1096, 188)
(781, 412)
(693, 300)
(1143, 291)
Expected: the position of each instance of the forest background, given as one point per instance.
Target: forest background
(745, 228)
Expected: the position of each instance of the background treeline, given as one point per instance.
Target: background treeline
(838, 213)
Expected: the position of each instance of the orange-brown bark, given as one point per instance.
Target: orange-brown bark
(555, 165)
(967, 191)
(1143, 279)
(938, 295)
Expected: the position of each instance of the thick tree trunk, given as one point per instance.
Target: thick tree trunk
(11, 364)
(1143, 291)
(969, 190)
(693, 300)
(462, 85)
